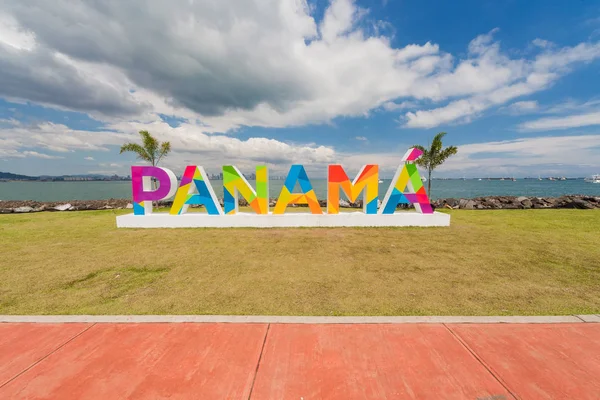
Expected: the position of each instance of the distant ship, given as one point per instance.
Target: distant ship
(593, 179)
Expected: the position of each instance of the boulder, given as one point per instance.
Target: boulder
(129, 206)
(6, 210)
(63, 207)
(25, 209)
(582, 204)
(453, 203)
(80, 207)
(344, 203)
(526, 203)
(470, 205)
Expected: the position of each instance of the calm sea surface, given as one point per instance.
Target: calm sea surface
(60, 191)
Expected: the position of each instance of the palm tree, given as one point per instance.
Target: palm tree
(434, 156)
(151, 150)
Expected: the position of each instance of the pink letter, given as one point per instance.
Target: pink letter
(144, 192)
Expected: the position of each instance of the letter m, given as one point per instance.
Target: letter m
(367, 181)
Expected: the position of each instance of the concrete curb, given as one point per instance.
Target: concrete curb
(298, 320)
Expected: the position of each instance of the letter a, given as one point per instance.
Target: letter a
(308, 196)
(407, 175)
(195, 188)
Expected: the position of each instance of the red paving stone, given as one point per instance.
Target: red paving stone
(370, 362)
(147, 361)
(22, 345)
(299, 361)
(559, 361)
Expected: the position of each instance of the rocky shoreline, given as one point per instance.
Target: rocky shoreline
(479, 203)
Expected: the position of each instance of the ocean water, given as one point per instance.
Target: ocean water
(63, 191)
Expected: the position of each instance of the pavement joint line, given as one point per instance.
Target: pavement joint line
(262, 349)
(269, 319)
(46, 356)
(589, 318)
(457, 337)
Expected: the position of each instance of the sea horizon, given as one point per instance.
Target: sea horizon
(440, 188)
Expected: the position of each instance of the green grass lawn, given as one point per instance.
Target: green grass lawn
(504, 262)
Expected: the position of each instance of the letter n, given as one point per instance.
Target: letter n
(235, 183)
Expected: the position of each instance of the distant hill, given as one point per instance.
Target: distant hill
(9, 176)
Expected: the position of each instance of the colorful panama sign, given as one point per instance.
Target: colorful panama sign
(195, 188)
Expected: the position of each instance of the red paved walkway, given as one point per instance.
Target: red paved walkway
(294, 361)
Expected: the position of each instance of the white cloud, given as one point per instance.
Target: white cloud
(531, 156)
(89, 158)
(40, 155)
(254, 63)
(361, 138)
(570, 105)
(542, 43)
(189, 144)
(499, 80)
(13, 35)
(554, 123)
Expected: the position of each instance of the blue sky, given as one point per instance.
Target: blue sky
(515, 84)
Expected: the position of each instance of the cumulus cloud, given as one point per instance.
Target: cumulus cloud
(89, 158)
(505, 79)
(254, 63)
(189, 144)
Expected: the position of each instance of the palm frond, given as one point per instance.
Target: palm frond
(165, 148)
(151, 150)
(136, 148)
(434, 156)
(150, 144)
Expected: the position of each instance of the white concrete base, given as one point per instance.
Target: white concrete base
(289, 220)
